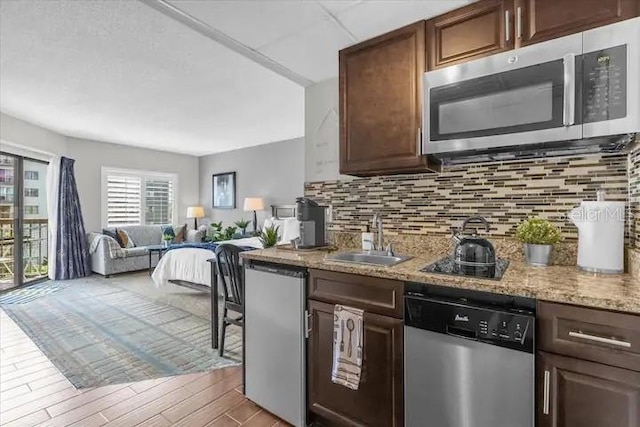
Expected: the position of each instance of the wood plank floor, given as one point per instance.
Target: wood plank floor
(34, 393)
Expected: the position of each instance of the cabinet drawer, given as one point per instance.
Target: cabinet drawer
(371, 294)
(590, 334)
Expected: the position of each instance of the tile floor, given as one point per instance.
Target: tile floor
(34, 393)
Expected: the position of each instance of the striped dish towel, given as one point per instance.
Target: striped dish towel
(348, 341)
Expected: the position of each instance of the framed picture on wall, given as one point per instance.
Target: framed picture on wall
(224, 190)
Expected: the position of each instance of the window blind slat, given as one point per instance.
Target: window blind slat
(133, 200)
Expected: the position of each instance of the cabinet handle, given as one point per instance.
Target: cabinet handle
(507, 25)
(611, 341)
(307, 324)
(545, 403)
(419, 142)
(519, 22)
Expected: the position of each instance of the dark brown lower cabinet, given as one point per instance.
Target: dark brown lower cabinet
(577, 393)
(379, 399)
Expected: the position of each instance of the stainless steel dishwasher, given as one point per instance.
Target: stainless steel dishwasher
(274, 339)
(469, 358)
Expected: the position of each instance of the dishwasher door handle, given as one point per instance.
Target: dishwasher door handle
(463, 333)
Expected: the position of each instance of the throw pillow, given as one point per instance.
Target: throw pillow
(180, 233)
(127, 241)
(114, 235)
(167, 230)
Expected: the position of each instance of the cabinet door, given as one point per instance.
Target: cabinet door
(480, 29)
(381, 103)
(378, 400)
(540, 20)
(576, 393)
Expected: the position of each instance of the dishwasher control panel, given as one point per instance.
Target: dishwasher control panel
(502, 325)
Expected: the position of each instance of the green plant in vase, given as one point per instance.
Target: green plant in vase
(538, 236)
(242, 225)
(229, 232)
(269, 236)
(214, 231)
(167, 238)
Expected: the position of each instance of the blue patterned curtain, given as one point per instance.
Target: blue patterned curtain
(72, 252)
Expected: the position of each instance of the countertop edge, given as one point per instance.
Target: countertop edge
(552, 295)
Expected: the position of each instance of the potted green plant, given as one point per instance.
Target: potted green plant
(167, 238)
(538, 236)
(214, 232)
(269, 236)
(242, 225)
(228, 233)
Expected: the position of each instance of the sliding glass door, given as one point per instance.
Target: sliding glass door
(24, 232)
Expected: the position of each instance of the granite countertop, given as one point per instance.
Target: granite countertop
(556, 284)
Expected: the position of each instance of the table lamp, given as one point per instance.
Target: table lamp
(254, 204)
(195, 212)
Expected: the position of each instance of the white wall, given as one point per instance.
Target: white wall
(272, 171)
(23, 138)
(20, 137)
(321, 132)
(91, 156)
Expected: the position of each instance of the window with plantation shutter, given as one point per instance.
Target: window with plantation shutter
(158, 201)
(136, 197)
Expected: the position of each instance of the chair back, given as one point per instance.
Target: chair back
(230, 273)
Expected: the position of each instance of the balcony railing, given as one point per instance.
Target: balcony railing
(35, 244)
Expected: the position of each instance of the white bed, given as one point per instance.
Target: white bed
(189, 266)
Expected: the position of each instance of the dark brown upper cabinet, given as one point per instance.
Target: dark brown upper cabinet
(381, 104)
(479, 29)
(541, 20)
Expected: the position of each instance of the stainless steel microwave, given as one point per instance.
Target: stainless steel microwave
(581, 86)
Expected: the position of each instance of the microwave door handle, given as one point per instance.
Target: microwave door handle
(569, 99)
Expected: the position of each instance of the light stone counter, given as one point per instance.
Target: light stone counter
(555, 283)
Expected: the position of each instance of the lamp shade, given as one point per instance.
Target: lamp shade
(195, 212)
(253, 204)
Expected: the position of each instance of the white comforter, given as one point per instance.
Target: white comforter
(190, 264)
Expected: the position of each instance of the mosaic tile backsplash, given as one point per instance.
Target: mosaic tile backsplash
(634, 195)
(503, 192)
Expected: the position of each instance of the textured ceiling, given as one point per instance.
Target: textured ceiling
(122, 72)
(306, 35)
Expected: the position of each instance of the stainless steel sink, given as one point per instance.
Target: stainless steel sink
(368, 258)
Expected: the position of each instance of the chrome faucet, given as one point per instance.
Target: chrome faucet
(377, 224)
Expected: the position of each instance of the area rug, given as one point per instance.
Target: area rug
(31, 292)
(98, 334)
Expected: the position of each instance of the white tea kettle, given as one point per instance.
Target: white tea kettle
(600, 235)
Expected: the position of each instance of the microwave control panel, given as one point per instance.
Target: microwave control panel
(604, 84)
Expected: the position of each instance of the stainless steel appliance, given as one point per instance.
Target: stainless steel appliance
(580, 87)
(312, 219)
(274, 339)
(472, 254)
(469, 358)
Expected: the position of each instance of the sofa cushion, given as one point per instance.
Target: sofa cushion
(113, 233)
(133, 252)
(178, 233)
(125, 240)
(143, 235)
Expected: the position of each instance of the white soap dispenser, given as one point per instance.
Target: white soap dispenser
(367, 240)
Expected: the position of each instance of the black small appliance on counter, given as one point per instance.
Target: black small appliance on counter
(312, 223)
(472, 256)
